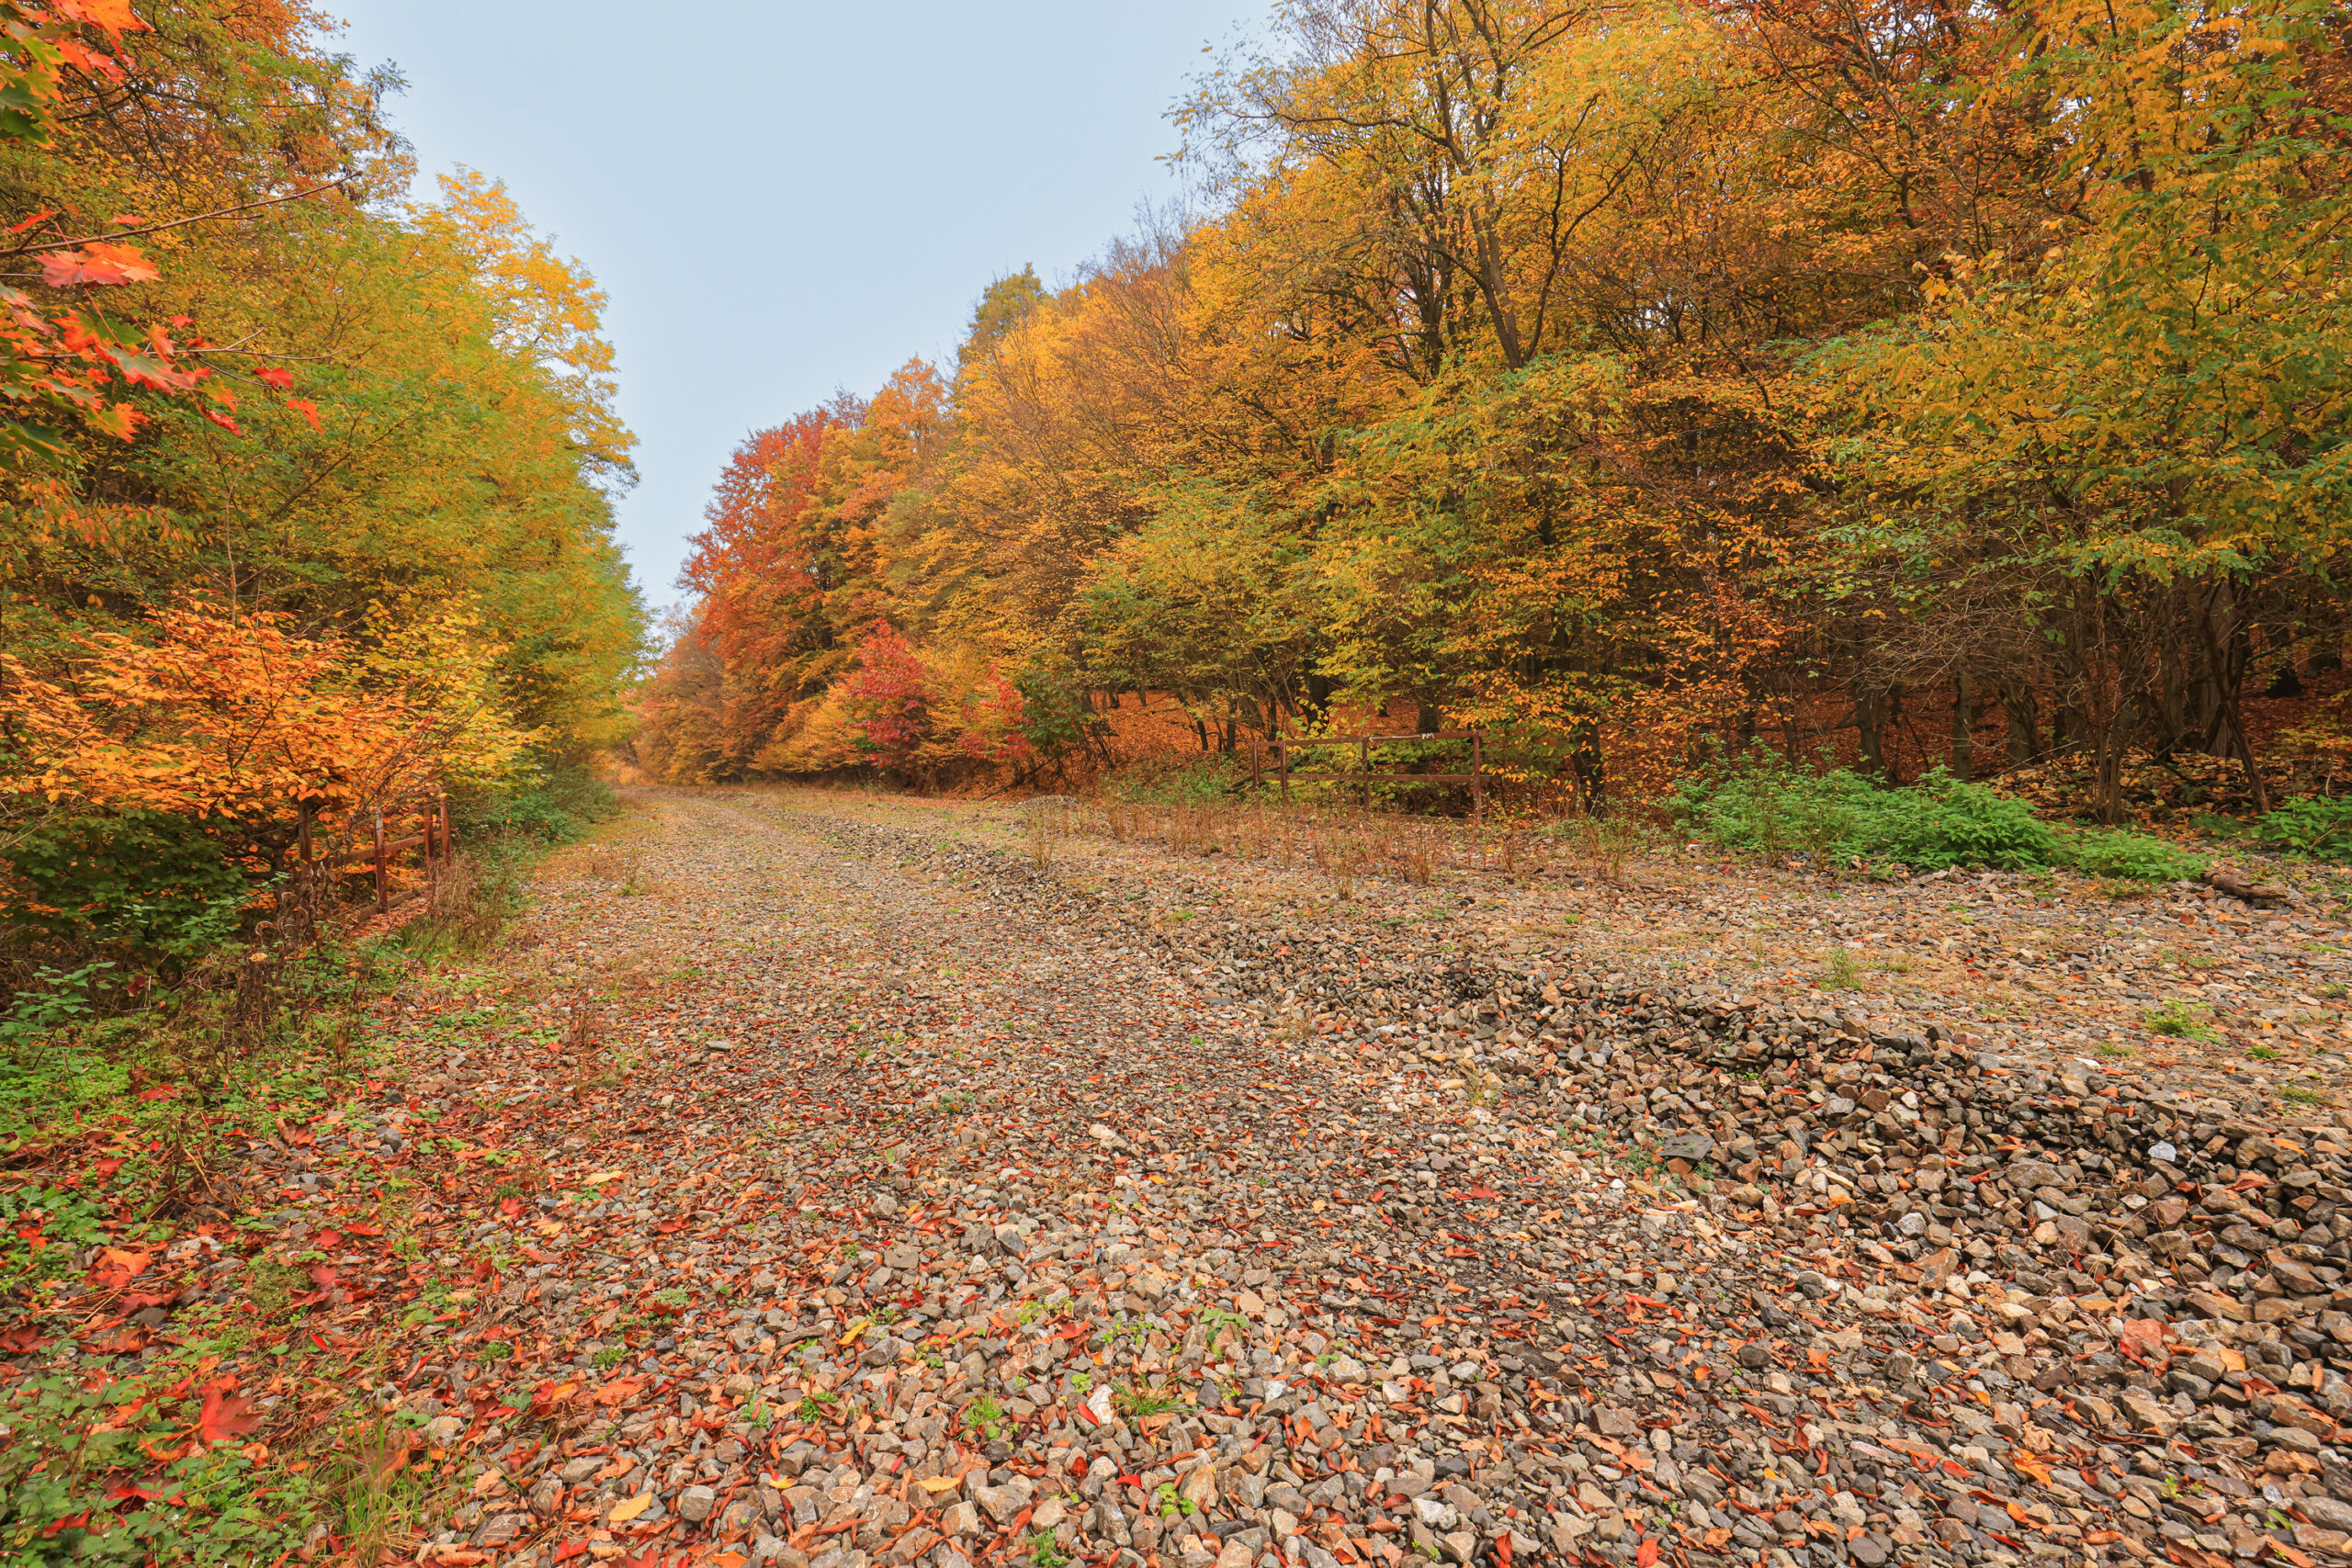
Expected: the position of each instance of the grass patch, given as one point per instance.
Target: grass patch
(2177, 1020)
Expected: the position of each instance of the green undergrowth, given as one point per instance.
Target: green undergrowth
(1840, 820)
(120, 1120)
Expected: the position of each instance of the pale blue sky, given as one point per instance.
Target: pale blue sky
(784, 199)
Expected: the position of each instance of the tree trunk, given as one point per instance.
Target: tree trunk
(2227, 691)
(1586, 763)
(1964, 718)
(2018, 707)
(1871, 711)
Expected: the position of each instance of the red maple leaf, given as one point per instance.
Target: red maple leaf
(116, 1268)
(22, 1338)
(281, 379)
(97, 263)
(225, 1414)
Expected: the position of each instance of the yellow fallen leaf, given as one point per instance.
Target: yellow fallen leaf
(600, 1178)
(936, 1484)
(629, 1508)
(860, 1326)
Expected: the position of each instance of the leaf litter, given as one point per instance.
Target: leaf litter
(827, 1185)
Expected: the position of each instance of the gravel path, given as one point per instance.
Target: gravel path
(822, 1181)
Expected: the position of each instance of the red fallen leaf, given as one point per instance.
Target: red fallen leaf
(355, 1229)
(549, 1395)
(161, 1091)
(484, 1270)
(1647, 1556)
(612, 1392)
(225, 1414)
(36, 218)
(570, 1550)
(671, 1227)
(1460, 1252)
(1483, 1192)
(126, 1340)
(324, 1278)
(2145, 1336)
(105, 1167)
(143, 1491)
(510, 1207)
(22, 1338)
(225, 422)
(329, 1240)
(116, 1268)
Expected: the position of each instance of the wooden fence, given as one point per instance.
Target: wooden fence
(431, 816)
(1282, 748)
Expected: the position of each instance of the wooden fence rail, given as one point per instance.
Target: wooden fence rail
(432, 813)
(1282, 748)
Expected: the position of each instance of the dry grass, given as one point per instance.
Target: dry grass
(1348, 846)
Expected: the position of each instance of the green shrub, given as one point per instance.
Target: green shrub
(1758, 804)
(2314, 826)
(157, 885)
(1837, 816)
(557, 808)
(2101, 852)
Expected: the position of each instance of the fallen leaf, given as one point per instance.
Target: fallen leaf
(224, 1414)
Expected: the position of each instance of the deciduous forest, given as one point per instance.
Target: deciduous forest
(308, 496)
(1933, 385)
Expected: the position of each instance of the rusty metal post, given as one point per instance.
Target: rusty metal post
(384, 866)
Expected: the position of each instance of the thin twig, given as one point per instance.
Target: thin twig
(335, 184)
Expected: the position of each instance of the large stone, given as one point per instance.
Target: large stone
(501, 1528)
(2147, 1411)
(2326, 1512)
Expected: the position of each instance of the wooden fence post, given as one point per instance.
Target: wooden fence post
(1477, 783)
(384, 866)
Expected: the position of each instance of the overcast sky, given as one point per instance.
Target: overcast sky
(788, 200)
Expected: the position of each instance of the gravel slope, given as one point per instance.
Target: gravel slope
(838, 1187)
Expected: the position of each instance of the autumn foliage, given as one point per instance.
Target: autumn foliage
(305, 485)
(1623, 381)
